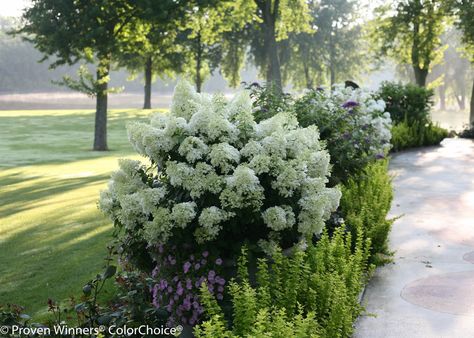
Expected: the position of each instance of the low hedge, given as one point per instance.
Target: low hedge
(417, 134)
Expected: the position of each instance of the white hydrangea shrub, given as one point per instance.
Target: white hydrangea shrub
(215, 171)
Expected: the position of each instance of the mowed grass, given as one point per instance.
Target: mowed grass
(52, 236)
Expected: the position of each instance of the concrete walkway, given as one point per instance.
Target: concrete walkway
(428, 291)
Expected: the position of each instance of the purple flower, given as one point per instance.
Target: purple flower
(197, 266)
(220, 296)
(195, 305)
(187, 304)
(211, 274)
(219, 261)
(220, 289)
(170, 289)
(189, 284)
(186, 267)
(179, 289)
(203, 262)
(210, 288)
(350, 104)
(191, 258)
(155, 293)
(220, 280)
(163, 284)
(160, 248)
(155, 271)
(379, 156)
(205, 254)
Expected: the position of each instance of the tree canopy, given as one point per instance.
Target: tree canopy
(409, 31)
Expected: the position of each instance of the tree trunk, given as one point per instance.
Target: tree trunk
(471, 115)
(308, 80)
(442, 97)
(420, 76)
(273, 67)
(332, 59)
(148, 78)
(100, 133)
(332, 75)
(198, 63)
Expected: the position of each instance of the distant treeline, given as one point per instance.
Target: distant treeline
(21, 71)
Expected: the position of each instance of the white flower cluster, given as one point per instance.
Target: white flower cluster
(370, 112)
(216, 165)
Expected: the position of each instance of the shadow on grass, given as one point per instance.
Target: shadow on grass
(54, 259)
(24, 198)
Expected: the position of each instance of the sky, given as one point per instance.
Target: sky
(12, 7)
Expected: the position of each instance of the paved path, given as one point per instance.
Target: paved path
(428, 291)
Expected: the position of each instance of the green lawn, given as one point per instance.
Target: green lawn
(52, 236)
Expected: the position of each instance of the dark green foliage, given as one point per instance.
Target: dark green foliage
(268, 100)
(407, 102)
(409, 107)
(315, 293)
(468, 132)
(365, 202)
(417, 134)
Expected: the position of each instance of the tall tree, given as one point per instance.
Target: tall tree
(68, 31)
(464, 11)
(409, 31)
(150, 49)
(332, 51)
(212, 36)
(200, 36)
(274, 21)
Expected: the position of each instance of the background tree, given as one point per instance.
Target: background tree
(409, 31)
(212, 36)
(453, 74)
(68, 31)
(464, 11)
(275, 20)
(150, 49)
(333, 51)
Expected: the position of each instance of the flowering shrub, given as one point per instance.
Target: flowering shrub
(178, 281)
(352, 122)
(218, 176)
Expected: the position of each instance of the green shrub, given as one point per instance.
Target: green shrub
(268, 101)
(365, 203)
(417, 134)
(407, 102)
(312, 293)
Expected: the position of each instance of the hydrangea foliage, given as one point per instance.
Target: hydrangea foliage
(215, 172)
